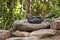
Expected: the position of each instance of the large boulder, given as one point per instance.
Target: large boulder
(4, 34)
(23, 38)
(20, 34)
(43, 33)
(24, 25)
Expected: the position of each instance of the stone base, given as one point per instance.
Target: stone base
(23, 25)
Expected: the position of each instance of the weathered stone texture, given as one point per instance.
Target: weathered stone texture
(43, 33)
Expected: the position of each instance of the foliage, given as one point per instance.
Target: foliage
(18, 12)
(5, 18)
(56, 8)
(43, 7)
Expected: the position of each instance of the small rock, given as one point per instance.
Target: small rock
(55, 23)
(58, 31)
(4, 34)
(20, 34)
(43, 33)
(46, 38)
(23, 38)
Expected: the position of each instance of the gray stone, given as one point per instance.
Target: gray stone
(4, 34)
(25, 26)
(56, 37)
(23, 38)
(43, 33)
(46, 38)
(20, 33)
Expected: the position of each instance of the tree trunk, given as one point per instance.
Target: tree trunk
(28, 7)
(11, 4)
